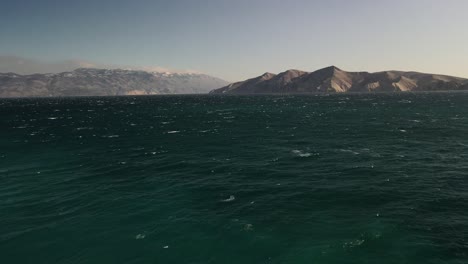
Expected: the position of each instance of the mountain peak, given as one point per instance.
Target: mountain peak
(289, 75)
(293, 71)
(268, 75)
(332, 68)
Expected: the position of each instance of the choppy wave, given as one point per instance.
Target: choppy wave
(237, 179)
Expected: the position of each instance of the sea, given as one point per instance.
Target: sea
(332, 178)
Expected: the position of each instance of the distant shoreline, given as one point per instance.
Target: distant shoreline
(237, 95)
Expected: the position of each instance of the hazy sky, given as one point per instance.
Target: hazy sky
(237, 39)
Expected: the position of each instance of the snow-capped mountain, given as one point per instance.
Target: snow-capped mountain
(105, 82)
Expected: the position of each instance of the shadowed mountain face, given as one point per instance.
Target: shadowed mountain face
(101, 82)
(335, 80)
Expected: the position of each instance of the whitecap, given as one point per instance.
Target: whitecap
(52, 118)
(84, 128)
(230, 199)
(140, 236)
(349, 151)
(248, 227)
(173, 132)
(355, 243)
(301, 153)
(405, 101)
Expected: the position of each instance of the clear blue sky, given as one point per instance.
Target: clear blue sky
(237, 39)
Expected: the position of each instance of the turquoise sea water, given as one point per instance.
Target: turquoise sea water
(377, 178)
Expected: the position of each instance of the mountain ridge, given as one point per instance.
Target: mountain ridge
(105, 82)
(335, 80)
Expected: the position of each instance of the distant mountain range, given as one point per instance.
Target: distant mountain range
(103, 82)
(335, 80)
(111, 82)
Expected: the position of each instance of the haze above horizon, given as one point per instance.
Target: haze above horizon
(235, 40)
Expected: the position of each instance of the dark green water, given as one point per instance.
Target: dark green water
(314, 179)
